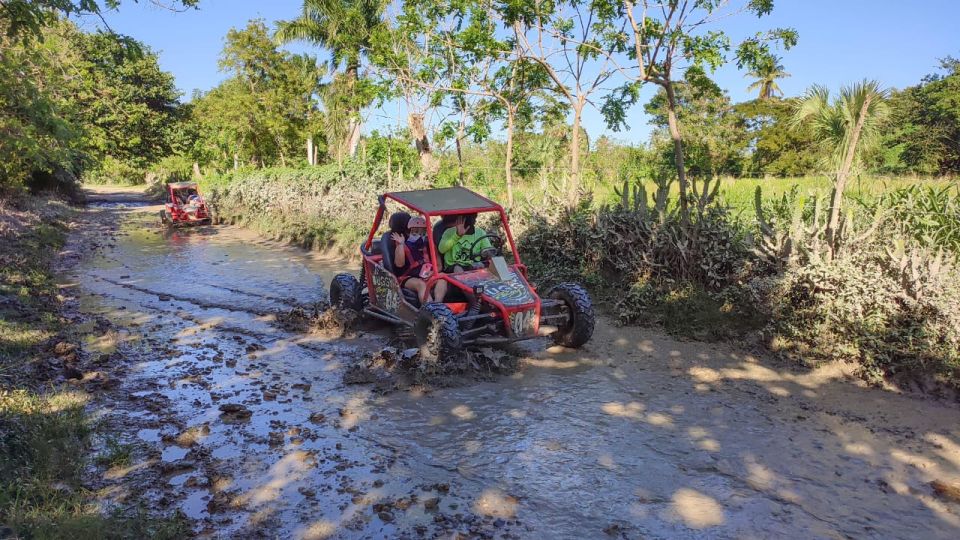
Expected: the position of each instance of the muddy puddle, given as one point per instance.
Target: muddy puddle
(249, 430)
(118, 204)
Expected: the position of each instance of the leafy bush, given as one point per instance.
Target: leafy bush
(654, 269)
(858, 307)
(317, 207)
(114, 171)
(930, 214)
(890, 301)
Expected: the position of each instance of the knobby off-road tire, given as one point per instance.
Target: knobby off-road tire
(345, 293)
(437, 334)
(579, 327)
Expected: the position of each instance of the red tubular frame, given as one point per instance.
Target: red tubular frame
(437, 275)
(176, 212)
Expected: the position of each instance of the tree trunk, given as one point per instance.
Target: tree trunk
(674, 126)
(460, 181)
(236, 161)
(196, 170)
(353, 130)
(573, 189)
(508, 162)
(422, 142)
(389, 168)
(310, 150)
(461, 129)
(283, 159)
(836, 200)
(353, 137)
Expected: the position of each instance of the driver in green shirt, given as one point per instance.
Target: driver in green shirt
(457, 245)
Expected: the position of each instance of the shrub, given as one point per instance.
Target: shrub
(114, 171)
(655, 270)
(931, 215)
(859, 307)
(317, 207)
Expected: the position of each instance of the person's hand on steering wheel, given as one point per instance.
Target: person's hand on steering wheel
(488, 252)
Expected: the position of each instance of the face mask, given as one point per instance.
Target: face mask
(414, 237)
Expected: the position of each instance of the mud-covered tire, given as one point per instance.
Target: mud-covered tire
(578, 329)
(165, 219)
(437, 333)
(345, 293)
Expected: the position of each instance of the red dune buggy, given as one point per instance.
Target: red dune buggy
(491, 303)
(186, 206)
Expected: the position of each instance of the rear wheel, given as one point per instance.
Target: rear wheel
(578, 327)
(437, 333)
(345, 293)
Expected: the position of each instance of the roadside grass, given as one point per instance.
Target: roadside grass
(44, 431)
(31, 237)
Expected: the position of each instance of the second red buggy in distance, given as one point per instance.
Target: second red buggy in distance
(185, 205)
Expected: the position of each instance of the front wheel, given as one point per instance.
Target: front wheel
(165, 218)
(578, 327)
(345, 293)
(437, 333)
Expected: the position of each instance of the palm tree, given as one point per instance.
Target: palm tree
(845, 127)
(766, 78)
(346, 28)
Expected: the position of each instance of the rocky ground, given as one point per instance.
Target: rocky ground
(220, 407)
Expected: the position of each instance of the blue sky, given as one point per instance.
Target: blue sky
(841, 41)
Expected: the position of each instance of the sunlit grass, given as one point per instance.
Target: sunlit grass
(735, 192)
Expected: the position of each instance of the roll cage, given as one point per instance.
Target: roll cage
(439, 203)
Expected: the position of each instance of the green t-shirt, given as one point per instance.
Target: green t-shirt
(455, 249)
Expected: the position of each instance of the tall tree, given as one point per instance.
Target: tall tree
(767, 74)
(575, 42)
(346, 28)
(715, 140)
(465, 64)
(264, 111)
(775, 147)
(124, 101)
(845, 126)
(922, 134)
(668, 37)
(27, 18)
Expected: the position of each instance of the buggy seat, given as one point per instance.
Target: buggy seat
(387, 246)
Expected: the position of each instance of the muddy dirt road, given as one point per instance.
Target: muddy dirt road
(249, 430)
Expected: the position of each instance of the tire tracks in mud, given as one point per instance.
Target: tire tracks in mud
(281, 335)
(197, 302)
(285, 301)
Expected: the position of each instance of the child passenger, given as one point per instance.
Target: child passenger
(412, 262)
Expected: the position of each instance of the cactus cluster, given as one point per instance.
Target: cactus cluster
(798, 234)
(919, 268)
(634, 198)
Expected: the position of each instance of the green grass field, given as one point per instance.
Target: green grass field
(736, 192)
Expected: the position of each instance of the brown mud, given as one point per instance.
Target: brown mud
(246, 425)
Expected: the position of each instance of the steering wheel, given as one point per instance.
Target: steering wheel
(496, 243)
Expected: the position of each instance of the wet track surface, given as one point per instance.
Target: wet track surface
(637, 436)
